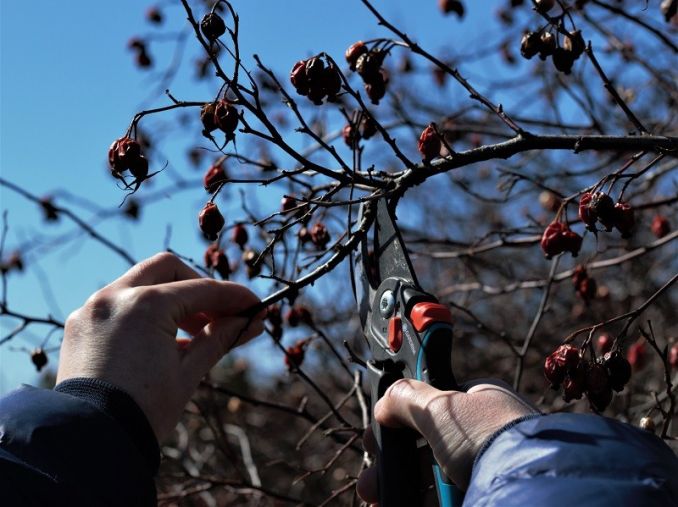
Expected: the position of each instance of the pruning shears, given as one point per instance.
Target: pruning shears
(409, 335)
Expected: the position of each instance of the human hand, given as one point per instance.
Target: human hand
(455, 424)
(126, 334)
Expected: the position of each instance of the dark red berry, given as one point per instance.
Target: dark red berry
(123, 153)
(547, 45)
(215, 258)
(584, 285)
(154, 15)
(429, 144)
(448, 6)
(624, 219)
(320, 236)
(530, 44)
(637, 355)
(603, 207)
(563, 60)
(673, 356)
(298, 77)
(376, 88)
(351, 135)
(354, 52)
(554, 371)
(39, 358)
(660, 226)
(574, 43)
(211, 221)
(597, 379)
(368, 65)
(574, 383)
(600, 400)
(368, 127)
(618, 368)
(274, 316)
(558, 238)
(299, 315)
(214, 176)
(304, 235)
(143, 60)
(294, 355)
(207, 118)
(212, 26)
(331, 82)
(239, 235)
(604, 343)
(587, 211)
(225, 116)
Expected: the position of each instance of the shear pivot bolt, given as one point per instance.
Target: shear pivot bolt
(387, 304)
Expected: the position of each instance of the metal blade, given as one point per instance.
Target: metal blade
(363, 289)
(391, 256)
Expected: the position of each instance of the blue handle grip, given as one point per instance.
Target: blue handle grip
(439, 336)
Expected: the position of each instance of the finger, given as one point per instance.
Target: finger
(406, 403)
(367, 486)
(213, 298)
(193, 324)
(161, 268)
(215, 340)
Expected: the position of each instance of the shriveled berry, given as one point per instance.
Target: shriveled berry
(571, 242)
(39, 358)
(584, 285)
(603, 207)
(554, 371)
(207, 118)
(304, 235)
(618, 368)
(574, 43)
(215, 258)
(448, 6)
(225, 116)
(331, 82)
(624, 219)
(637, 355)
(315, 69)
(351, 135)
(429, 144)
(211, 221)
(376, 88)
(369, 64)
(320, 236)
(587, 211)
(214, 176)
(298, 77)
(597, 379)
(544, 6)
(530, 44)
(353, 53)
(547, 45)
(604, 343)
(122, 154)
(368, 127)
(212, 26)
(563, 60)
(599, 401)
(239, 235)
(660, 226)
(552, 240)
(574, 384)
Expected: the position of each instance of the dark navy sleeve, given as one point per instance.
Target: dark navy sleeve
(84, 443)
(574, 460)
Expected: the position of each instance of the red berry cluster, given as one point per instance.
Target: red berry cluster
(545, 44)
(565, 367)
(215, 259)
(599, 207)
(584, 285)
(316, 80)
(211, 221)
(221, 115)
(429, 144)
(558, 238)
(368, 64)
(214, 176)
(212, 26)
(125, 155)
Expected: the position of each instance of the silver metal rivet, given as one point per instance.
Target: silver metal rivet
(386, 304)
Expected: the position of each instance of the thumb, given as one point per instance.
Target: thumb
(409, 403)
(217, 339)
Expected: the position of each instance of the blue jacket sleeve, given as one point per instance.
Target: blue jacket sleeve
(84, 443)
(574, 460)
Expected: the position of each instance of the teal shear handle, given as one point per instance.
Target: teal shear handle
(434, 367)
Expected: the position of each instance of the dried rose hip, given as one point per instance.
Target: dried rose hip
(574, 43)
(554, 371)
(239, 235)
(331, 82)
(122, 154)
(563, 60)
(215, 258)
(574, 383)
(39, 358)
(354, 52)
(552, 240)
(212, 26)
(544, 6)
(429, 143)
(315, 69)
(547, 45)
(618, 368)
(563, 360)
(530, 44)
(368, 127)
(376, 89)
(213, 177)
(587, 211)
(369, 64)
(448, 6)
(660, 226)
(294, 355)
(320, 236)
(599, 401)
(673, 356)
(604, 343)
(211, 221)
(298, 77)
(603, 207)
(637, 355)
(207, 118)
(225, 117)
(351, 135)
(597, 379)
(624, 219)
